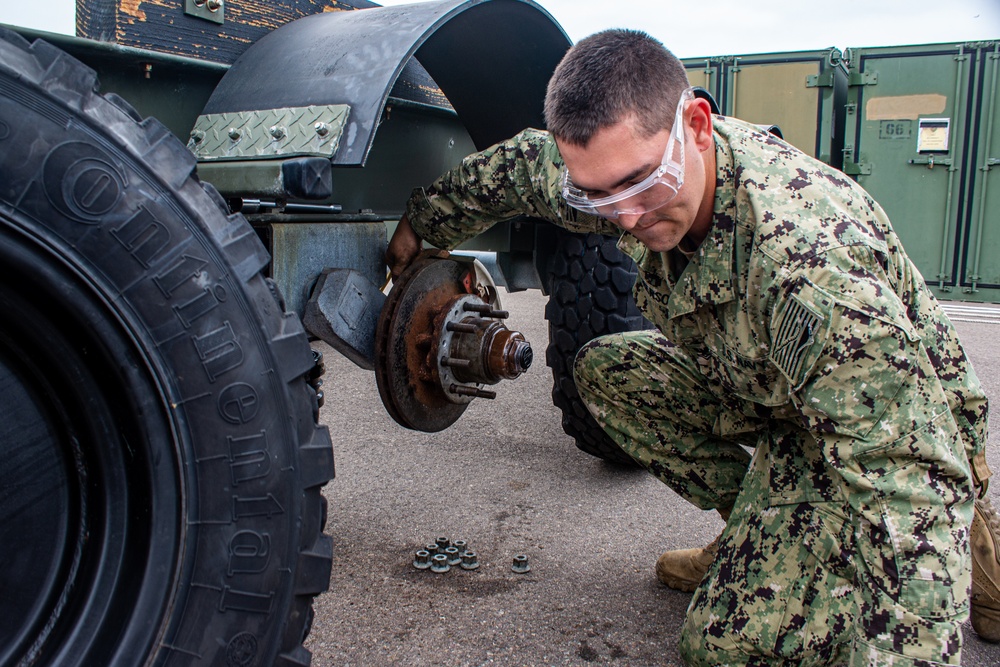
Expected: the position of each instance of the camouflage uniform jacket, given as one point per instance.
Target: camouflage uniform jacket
(802, 300)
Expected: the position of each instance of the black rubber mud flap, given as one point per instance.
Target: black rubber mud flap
(160, 458)
(590, 283)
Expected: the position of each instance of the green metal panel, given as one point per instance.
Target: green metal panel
(705, 73)
(982, 263)
(917, 139)
(800, 92)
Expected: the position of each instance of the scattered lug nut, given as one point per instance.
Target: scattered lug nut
(439, 563)
(470, 561)
(461, 545)
(431, 548)
(520, 565)
(422, 560)
(443, 543)
(453, 555)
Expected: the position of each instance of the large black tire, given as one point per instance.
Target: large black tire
(160, 460)
(590, 294)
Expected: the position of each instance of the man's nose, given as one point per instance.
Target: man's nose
(628, 220)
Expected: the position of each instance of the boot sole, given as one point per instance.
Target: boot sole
(683, 585)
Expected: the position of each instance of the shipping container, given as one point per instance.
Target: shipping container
(803, 93)
(922, 138)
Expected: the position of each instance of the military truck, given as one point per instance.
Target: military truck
(182, 184)
(193, 190)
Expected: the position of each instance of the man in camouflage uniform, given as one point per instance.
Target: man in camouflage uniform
(790, 320)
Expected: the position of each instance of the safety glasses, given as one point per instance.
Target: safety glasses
(652, 192)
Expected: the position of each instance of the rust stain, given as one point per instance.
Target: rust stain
(131, 7)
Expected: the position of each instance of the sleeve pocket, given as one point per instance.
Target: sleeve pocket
(846, 361)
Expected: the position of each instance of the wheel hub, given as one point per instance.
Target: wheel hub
(441, 339)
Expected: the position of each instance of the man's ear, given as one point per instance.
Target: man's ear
(701, 123)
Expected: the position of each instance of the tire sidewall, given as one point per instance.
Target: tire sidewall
(114, 205)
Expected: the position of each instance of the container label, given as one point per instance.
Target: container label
(932, 136)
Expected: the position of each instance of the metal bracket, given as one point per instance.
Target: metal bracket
(210, 10)
(343, 311)
(852, 168)
(863, 79)
(857, 168)
(293, 178)
(823, 80)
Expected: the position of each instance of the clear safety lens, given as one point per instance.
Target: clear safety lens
(652, 192)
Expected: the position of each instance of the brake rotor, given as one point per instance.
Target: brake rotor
(440, 340)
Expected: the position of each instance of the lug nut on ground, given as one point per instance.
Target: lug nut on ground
(470, 561)
(454, 557)
(422, 560)
(520, 565)
(439, 563)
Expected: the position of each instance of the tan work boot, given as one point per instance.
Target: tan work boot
(985, 545)
(683, 569)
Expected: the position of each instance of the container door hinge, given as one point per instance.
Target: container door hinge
(863, 79)
(852, 168)
(822, 80)
(857, 168)
(210, 10)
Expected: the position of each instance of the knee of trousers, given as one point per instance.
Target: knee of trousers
(590, 359)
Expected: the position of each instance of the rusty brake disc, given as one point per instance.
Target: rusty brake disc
(440, 340)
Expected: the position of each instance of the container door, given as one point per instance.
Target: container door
(906, 143)
(981, 261)
(796, 92)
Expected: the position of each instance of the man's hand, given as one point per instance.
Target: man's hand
(404, 246)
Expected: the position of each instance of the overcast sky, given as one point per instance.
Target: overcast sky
(712, 27)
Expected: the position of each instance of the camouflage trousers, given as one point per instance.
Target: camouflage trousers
(779, 591)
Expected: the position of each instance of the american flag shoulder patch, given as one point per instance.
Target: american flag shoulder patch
(798, 340)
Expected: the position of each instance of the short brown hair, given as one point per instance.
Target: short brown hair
(608, 76)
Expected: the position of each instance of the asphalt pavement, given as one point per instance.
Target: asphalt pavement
(506, 479)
